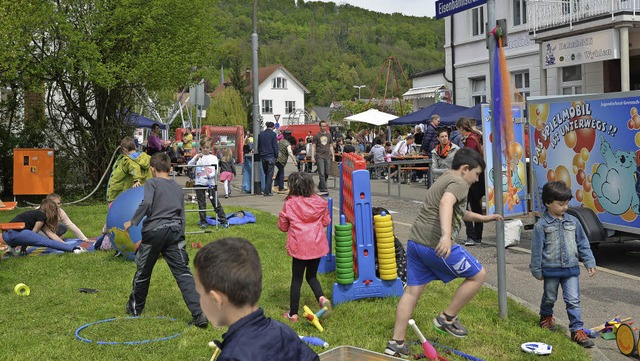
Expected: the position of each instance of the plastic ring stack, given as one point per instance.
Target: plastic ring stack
(344, 253)
(383, 226)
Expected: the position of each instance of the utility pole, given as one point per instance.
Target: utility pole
(256, 96)
(497, 168)
(359, 87)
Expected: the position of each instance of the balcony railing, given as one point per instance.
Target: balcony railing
(543, 14)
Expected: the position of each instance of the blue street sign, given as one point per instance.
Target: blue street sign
(450, 7)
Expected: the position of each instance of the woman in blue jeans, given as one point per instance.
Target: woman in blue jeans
(43, 219)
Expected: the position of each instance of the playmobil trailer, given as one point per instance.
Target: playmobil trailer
(592, 143)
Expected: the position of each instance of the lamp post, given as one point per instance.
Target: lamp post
(359, 87)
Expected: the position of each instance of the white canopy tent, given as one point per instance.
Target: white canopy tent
(372, 116)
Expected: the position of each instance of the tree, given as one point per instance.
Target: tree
(227, 108)
(94, 58)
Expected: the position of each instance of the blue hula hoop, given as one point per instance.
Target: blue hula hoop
(123, 342)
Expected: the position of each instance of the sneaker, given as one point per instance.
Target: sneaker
(547, 322)
(79, 250)
(580, 337)
(225, 225)
(131, 311)
(199, 321)
(293, 318)
(393, 349)
(325, 302)
(226, 196)
(202, 225)
(11, 251)
(469, 242)
(453, 327)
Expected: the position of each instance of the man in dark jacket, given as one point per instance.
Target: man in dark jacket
(430, 136)
(268, 150)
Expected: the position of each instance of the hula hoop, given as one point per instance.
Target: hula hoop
(123, 342)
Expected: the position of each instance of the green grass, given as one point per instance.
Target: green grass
(42, 325)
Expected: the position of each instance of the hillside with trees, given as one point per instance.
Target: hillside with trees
(329, 48)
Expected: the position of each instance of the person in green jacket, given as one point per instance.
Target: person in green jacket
(131, 169)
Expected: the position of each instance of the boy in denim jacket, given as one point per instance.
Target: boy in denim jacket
(559, 242)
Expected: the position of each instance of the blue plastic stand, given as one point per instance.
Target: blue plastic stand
(328, 262)
(366, 285)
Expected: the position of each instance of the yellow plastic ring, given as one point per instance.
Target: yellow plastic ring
(22, 290)
(378, 218)
(383, 224)
(383, 229)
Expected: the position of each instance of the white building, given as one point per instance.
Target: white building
(281, 96)
(553, 47)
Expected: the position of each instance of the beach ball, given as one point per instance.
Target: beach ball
(122, 209)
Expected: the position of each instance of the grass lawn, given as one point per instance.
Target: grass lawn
(42, 326)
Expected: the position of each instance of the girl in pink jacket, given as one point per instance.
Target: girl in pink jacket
(304, 217)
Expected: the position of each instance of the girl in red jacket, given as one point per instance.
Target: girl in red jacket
(304, 217)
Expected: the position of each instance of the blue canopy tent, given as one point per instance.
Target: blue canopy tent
(474, 112)
(424, 115)
(140, 121)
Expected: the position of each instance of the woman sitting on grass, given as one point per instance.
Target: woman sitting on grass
(43, 219)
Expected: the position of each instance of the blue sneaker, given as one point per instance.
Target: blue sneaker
(225, 225)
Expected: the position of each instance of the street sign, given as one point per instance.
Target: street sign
(449, 7)
(277, 117)
(198, 96)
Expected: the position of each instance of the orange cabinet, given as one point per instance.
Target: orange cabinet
(32, 171)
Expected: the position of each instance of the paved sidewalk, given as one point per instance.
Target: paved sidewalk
(607, 294)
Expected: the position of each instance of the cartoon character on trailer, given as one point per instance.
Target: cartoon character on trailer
(638, 173)
(613, 178)
(516, 180)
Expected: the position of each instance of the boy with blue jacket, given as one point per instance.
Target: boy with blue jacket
(228, 277)
(558, 244)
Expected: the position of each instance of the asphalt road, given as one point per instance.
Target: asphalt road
(614, 290)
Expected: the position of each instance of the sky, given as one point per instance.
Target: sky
(406, 7)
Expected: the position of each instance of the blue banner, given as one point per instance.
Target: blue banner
(450, 7)
(518, 173)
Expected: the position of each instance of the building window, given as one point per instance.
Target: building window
(477, 21)
(289, 106)
(279, 83)
(267, 106)
(521, 82)
(519, 12)
(571, 80)
(479, 90)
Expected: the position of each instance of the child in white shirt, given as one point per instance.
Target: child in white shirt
(207, 165)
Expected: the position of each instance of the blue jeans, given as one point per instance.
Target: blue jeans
(570, 294)
(323, 165)
(26, 237)
(267, 166)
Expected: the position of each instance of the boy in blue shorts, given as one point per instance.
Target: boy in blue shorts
(557, 246)
(432, 253)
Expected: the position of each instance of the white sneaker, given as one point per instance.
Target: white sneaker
(79, 250)
(11, 251)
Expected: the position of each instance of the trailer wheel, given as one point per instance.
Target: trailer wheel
(590, 223)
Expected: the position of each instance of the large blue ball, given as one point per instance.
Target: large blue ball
(122, 209)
